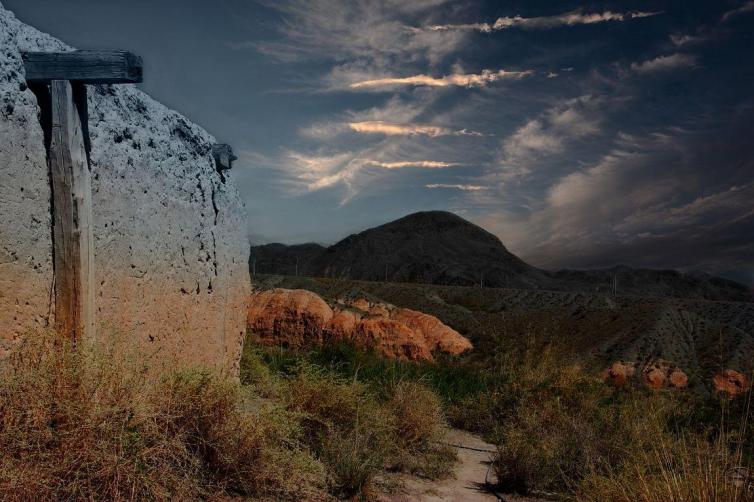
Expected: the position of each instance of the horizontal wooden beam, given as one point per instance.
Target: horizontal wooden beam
(87, 67)
(224, 156)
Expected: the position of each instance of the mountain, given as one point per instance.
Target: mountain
(438, 247)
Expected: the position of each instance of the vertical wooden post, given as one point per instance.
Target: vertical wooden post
(72, 214)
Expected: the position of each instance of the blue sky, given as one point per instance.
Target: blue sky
(583, 134)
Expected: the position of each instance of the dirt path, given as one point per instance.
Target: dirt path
(468, 485)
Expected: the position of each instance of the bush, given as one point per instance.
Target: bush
(80, 424)
(420, 430)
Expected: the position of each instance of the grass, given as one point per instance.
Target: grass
(355, 427)
(332, 422)
(78, 424)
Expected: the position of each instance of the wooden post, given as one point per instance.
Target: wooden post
(72, 215)
(66, 73)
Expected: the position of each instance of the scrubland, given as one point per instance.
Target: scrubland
(333, 422)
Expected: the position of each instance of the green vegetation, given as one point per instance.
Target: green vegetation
(82, 423)
(560, 430)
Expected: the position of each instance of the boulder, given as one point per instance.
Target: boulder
(170, 245)
(678, 379)
(663, 374)
(438, 336)
(289, 317)
(619, 373)
(731, 382)
(390, 338)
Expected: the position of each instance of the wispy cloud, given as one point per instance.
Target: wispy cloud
(460, 80)
(664, 63)
(546, 22)
(422, 164)
(390, 129)
(450, 186)
(549, 134)
(745, 8)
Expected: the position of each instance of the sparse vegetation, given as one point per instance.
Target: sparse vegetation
(77, 424)
(330, 422)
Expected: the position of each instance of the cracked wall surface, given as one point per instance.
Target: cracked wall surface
(170, 250)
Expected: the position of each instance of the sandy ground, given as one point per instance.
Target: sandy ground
(469, 483)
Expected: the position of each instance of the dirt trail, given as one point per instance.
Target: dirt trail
(468, 484)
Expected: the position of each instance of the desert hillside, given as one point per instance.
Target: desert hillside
(699, 335)
(437, 247)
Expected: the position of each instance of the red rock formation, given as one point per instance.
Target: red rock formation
(661, 374)
(297, 317)
(390, 338)
(678, 379)
(619, 373)
(343, 323)
(731, 382)
(290, 317)
(438, 336)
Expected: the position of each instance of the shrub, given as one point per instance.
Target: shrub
(79, 424)
(420, 430)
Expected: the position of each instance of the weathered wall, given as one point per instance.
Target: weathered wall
(171, 268)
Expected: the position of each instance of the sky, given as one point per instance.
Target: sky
(583, 134)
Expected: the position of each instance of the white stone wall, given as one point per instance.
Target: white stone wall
(170, 249)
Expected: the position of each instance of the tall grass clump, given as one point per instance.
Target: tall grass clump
(77, 423)
(688, 468)
(562, 432)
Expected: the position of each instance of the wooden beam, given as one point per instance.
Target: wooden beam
(72, 214)
(224, 156)
(88, 67)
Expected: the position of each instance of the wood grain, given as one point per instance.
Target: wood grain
(88, 67)
(72, 215)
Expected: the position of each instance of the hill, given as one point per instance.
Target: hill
(437, 247)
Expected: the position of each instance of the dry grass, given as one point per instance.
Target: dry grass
(686, 469)
(78, 424)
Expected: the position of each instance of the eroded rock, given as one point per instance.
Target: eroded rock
(438, 336)
(619, 373)
(731, 382)
(296, 318)
(289, 317)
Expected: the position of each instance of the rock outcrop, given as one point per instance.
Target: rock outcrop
(663, 374)
(620, 373)
(655, 375)
(437, 335)
(731, 382)
(297, 317)
(290, 317)
(170, 253)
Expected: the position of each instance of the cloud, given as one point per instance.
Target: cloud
(390, 129)
(550, 133)
(367, 30)
(423, 164)
(457, 79)
(645, 199)
(664, 63)
(546, 22)
(465, 188)
(745, 8)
